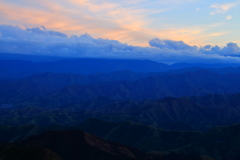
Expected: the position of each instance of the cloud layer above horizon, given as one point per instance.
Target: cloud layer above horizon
(41, 41)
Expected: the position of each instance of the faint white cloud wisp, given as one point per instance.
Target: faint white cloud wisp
(221, 8)
(228, 17)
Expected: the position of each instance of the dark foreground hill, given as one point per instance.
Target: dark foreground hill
(76, 144)
(221, 143)
(26, 152)
(143, 137)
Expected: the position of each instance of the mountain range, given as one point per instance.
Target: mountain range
(118, 109)
(52, 86)
(14, 67)
(185, 113)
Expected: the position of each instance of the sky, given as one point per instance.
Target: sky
(162, 30)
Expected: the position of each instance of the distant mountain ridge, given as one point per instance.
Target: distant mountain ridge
(22, 68)
(174, 85)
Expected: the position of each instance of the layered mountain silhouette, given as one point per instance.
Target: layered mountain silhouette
(18, 68)
(170, 111)
(72, 88)
(187, 113)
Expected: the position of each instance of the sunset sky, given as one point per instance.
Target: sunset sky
(196, 23)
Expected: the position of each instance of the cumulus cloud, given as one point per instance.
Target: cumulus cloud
(41, 41)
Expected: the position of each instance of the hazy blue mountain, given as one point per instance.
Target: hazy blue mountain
(203, 65)
(41, 84)
(188, 110)
(29, 57)
(121, 84)
(78, 66)
(18, 68)
(186, 113)
(175, 85)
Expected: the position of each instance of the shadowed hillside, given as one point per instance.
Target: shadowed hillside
(75, 144)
